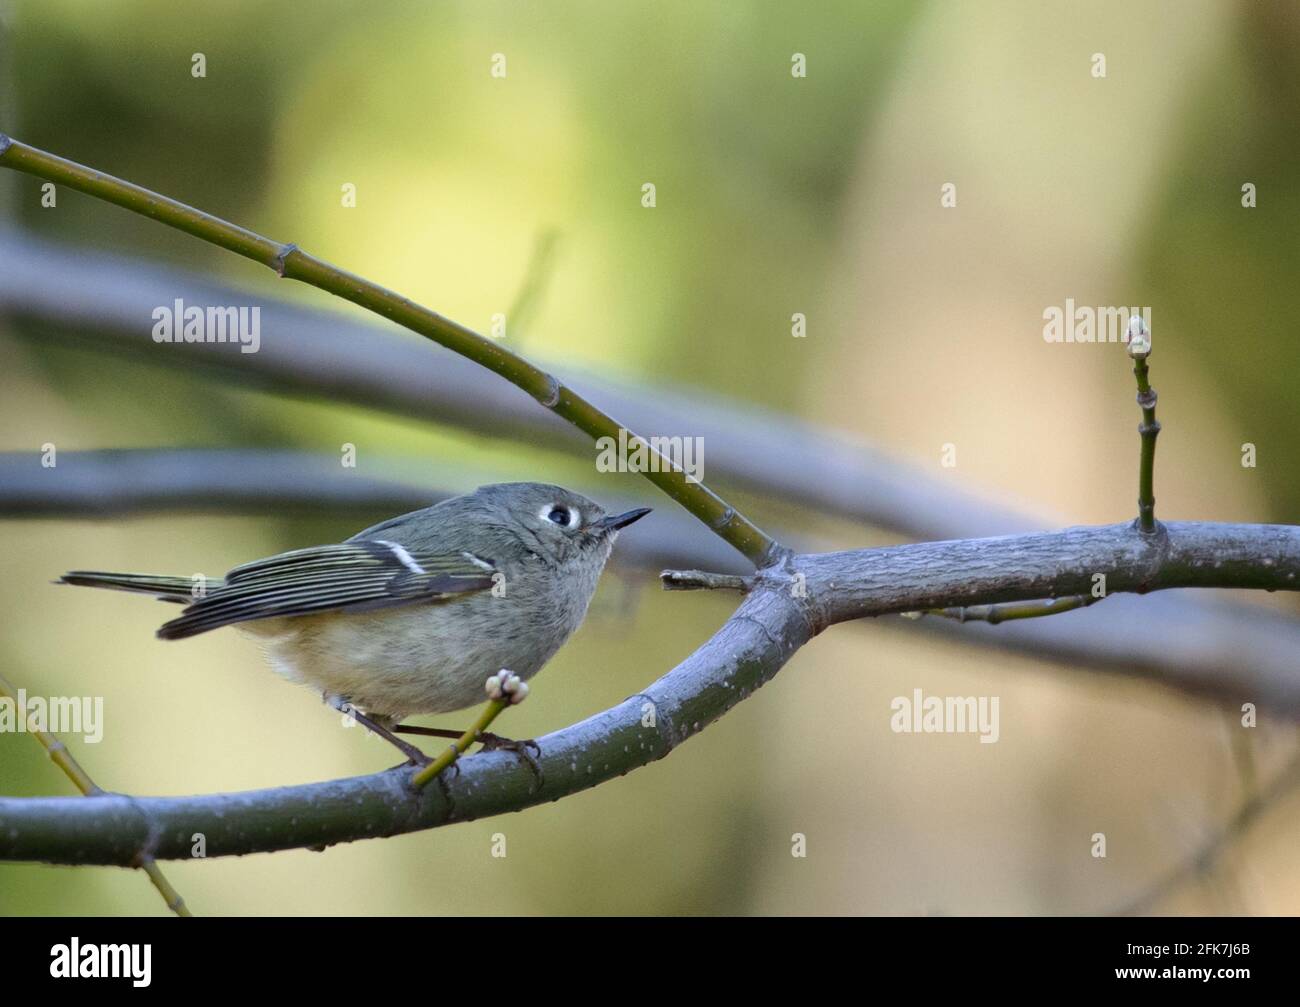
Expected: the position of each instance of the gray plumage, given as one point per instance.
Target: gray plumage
(412, 615)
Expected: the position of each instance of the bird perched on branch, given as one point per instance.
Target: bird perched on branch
(412, 615)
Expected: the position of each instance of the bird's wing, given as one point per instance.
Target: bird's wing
(350, 577)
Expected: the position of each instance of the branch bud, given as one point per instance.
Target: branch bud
(506, 685)
(1138, 337)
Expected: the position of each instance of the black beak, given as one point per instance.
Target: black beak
(616, 521)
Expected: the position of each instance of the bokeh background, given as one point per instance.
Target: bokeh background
(775, 195)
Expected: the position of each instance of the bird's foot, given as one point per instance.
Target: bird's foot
(490, 742)
(527, 750)
(496, 743)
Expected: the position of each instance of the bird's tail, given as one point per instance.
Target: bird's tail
(176, 589)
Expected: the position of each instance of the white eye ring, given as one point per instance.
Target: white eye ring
(572, 518)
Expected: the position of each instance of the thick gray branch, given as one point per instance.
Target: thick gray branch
(1201, 659)
(772, 622)
(1050, 564)
(113, 829)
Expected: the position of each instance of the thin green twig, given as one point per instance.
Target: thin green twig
(994, 614)
(288, 260)
(1149, 428)
(61, 757)
(703, 580)
(458, 747)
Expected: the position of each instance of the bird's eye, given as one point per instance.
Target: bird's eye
(561, 516)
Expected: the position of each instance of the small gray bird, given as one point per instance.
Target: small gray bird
(413, 615)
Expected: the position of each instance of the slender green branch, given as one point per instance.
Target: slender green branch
(61, 757)
(165, 888)
(704, 580)
(1139, 348)
(288, 260)
(461, 744)
(994, 614)
(503, 689)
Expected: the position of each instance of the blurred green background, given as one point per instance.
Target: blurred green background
(775, 195)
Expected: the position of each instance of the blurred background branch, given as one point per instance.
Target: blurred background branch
(98, 300)
(102, 302)
(1170, 638)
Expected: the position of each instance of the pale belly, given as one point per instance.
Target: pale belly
(398, 662)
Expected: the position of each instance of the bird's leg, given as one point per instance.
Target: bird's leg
(412, 753)
(429, 732)
(490, 742)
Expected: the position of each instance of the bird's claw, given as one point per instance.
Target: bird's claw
(495, 742)
(528, 750)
